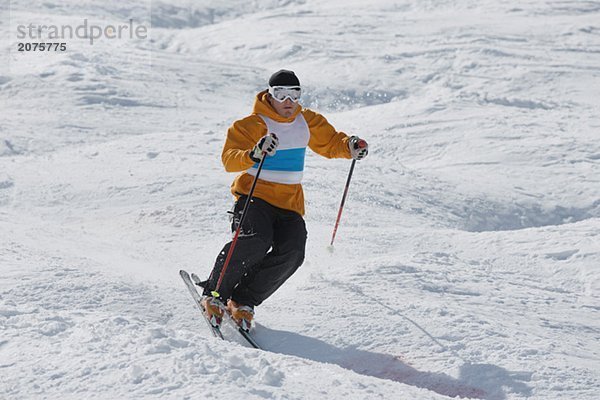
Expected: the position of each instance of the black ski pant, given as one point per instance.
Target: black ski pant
(270, 248)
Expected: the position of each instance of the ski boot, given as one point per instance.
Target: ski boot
(214, 310)
(241, 315)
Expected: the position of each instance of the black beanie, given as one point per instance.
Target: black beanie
(284, 77)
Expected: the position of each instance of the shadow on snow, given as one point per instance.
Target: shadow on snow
(473, 377)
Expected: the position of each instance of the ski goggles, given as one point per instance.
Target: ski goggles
(281, 93)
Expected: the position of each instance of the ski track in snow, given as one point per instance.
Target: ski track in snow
(466, 265)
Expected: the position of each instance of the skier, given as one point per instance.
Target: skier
(273, 235)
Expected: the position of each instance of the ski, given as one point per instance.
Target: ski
(244, 332)
(216, 330)
(197, 281)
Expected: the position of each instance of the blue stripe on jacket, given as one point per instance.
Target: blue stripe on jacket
(285, 160)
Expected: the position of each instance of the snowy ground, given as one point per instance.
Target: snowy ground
(467, 263)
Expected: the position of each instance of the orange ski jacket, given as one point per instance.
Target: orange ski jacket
(245, 133)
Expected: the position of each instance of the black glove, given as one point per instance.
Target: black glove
(359, 148)
(266, 145)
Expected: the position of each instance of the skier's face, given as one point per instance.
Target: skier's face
(286, 108)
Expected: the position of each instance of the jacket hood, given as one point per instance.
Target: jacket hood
(262, 106)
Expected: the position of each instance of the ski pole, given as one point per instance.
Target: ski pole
(339, 216)
(215, 292)
(361, 144)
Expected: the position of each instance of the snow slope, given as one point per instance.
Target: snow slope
(467, 263)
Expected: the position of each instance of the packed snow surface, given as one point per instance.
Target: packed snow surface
(467, 264)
